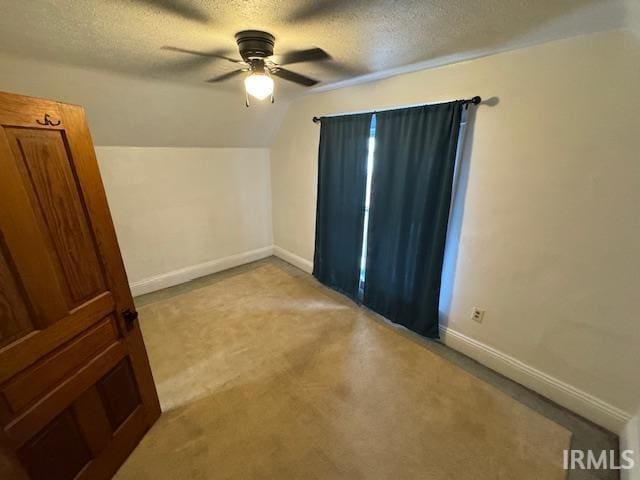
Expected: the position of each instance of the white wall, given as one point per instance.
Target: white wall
(183, 212)
(546, 230)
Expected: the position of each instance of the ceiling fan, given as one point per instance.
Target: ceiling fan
(256, 50)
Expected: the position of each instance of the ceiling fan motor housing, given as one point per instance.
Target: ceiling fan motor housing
(255, 44)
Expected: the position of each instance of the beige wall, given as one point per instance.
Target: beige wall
(632, 15)
(179, 211)
(546, 230)
(126, 110)
(630, 440)
(177, 208)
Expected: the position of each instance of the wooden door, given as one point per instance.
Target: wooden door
(76, 392)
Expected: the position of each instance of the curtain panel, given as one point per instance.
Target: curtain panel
(410, 199)
(342, 162)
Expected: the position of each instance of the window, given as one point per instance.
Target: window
(367, 200)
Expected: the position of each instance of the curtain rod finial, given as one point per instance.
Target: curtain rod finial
(316, 119)
(476, 100)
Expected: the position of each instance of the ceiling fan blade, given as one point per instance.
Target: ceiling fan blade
(178, 7)
(294, 77)
(202, 54)
(182, 65)
(311, 55)
(226, 76)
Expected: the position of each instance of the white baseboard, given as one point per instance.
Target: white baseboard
(630, 440)
(576, 400)
(176, 277)
(582, 403)
(570, 397)
(293, 259)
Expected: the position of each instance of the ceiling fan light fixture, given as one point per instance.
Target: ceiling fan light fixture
(256, 50)
(259, 85)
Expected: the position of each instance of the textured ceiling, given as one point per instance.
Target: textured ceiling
(362, 36)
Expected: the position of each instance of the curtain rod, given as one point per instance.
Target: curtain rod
(474, 100)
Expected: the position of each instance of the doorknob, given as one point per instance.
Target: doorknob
(129, 316)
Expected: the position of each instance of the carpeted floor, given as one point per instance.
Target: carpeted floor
(265, 374)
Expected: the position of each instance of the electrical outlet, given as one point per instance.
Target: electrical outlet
(477, 315)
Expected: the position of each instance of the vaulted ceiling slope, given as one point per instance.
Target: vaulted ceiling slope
(124, 110)
(107, 54)
(362, 36)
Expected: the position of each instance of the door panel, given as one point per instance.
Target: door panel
(15, 319)
(47, 175)
(89, 411)
(76, 391)
(28, 423)
(58, 451)
(50, 370)
(20, 354)
(119, 394)
(26, 247)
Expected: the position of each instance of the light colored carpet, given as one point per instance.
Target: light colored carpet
(265, 374)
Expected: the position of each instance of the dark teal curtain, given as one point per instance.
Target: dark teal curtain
(410, 197)
(342, 162)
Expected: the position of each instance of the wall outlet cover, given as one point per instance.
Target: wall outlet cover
(477, 315)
